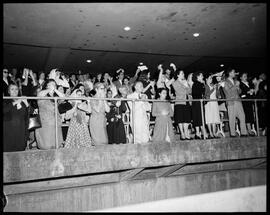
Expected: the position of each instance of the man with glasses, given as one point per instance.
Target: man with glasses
(6, 82)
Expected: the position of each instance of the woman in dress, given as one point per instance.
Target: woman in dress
(15, 123)
(182, 112)
(115, 127)
(212, 117)
(198, 90)
(45, 135)
(141, 120)
(163, 112)
(78, 133)
(98, 120)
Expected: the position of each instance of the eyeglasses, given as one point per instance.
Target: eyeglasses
(5, 71)
(102, 88)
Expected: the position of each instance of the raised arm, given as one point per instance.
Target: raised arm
(134, 78)
(33, 78)
(152, 83)
(25, 73)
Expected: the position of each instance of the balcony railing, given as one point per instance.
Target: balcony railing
(127, 123)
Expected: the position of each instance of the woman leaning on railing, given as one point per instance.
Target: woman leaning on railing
(45, 135)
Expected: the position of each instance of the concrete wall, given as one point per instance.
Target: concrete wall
(248, 199)
(45, 164)
(117, 175)
(95, 197)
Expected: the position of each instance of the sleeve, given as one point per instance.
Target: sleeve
(7, 106)
(243, 93)
(171, 110)
(194, 92)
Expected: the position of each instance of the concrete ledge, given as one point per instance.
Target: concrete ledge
(32, 165)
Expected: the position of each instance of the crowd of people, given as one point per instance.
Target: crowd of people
(98, 121)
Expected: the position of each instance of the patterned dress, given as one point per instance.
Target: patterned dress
(78, 133)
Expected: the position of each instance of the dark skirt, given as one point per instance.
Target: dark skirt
(249, 113)
(196, 114)
(116, 132)
(182, 113)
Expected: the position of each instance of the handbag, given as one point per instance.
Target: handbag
(34, 122)
(64, 107)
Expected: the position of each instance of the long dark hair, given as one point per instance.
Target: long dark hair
(195, 75)
(143, 76)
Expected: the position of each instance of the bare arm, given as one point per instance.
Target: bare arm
(134, 78)
(25, 72)
(33, 78)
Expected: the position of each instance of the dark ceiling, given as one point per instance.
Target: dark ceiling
(44, 36)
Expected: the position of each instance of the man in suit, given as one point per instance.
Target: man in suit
(235, 108)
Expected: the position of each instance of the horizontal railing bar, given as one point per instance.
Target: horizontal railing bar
(125, 99)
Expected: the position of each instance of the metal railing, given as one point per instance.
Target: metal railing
(133, 105)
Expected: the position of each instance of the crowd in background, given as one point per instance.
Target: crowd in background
(95, 122)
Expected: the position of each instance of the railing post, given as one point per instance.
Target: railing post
(56, 130)
(133, 124)
(257, 119)
(202, 112)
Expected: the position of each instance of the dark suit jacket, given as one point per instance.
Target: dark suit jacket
(5, 88)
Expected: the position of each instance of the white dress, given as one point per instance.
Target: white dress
(141, 122)
(212, 109)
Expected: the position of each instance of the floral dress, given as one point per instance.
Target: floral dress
(78, 133)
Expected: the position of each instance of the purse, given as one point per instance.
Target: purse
(34, 122)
